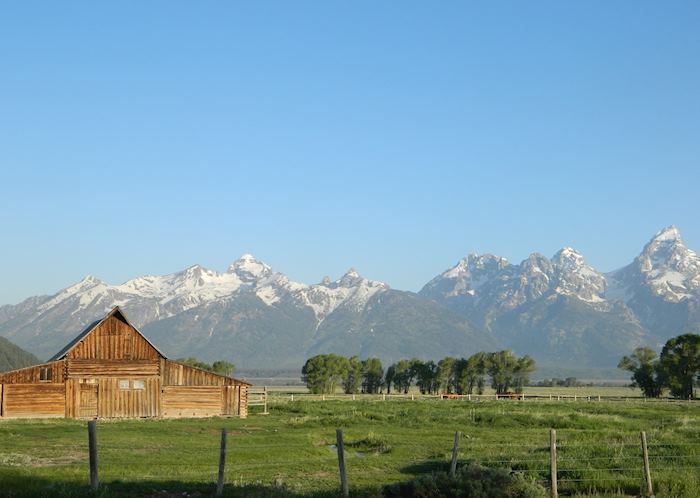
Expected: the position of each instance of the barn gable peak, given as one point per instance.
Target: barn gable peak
(116, 313)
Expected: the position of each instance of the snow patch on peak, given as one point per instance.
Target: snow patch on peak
(249, 268)
(668, 233)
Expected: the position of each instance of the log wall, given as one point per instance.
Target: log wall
(91, 368)
(33, 400)
(192, 401)
(31, 375)
(243, 401)
(177, 374)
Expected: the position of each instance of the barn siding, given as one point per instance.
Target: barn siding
(230, 400)
(79, 367)
(114, 339)
(177, 374)
(243, 401)
(34, 400)
(118, 403)
(72, 398)
(192, 401)
(30, 375)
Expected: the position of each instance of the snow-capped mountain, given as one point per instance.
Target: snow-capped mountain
(559, 309)
(666, 268)
(563, 309)
(488, 283)
(661, 286)
(249, 312)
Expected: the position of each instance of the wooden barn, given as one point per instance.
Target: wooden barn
(112, 371)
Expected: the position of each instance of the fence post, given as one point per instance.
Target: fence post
(92, 448)
(222, 464)
(341, 462)
(647, 471)
(455, 451)
(265, 406)
(553, 461)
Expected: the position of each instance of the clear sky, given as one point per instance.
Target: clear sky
(395, 137)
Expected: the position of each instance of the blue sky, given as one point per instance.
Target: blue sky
(395, 137)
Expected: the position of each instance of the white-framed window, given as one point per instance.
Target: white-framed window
(123, 384)
(139, 384)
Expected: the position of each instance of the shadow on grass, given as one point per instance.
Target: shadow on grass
(22, 486)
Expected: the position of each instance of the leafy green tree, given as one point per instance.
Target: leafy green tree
(352, 377)
(470, 373)
(426, 376)
(372, 375)
(645, 369)
(194, 362)
(445, 374)
(389, 377)
(405, 370)
(521, 375)
(323, 372)
(220, 367)
(223, 368)
(501, 367)
(680, 365)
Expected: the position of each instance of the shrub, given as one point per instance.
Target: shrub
(472, 481)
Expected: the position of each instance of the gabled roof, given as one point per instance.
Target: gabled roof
(116, 311)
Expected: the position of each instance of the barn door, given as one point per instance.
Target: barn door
(88, 401)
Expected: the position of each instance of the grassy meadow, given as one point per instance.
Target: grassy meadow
(291, 451)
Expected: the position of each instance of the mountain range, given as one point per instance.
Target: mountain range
(559, 310)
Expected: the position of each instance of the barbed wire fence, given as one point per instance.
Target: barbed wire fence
(563, 462)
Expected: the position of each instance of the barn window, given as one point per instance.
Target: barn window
(46, 373)
(139, 384)
(123, 384)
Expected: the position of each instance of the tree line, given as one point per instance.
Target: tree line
(677, 368)
(506, 372)
(220, 367)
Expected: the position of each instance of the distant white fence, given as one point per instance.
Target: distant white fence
(261, 396)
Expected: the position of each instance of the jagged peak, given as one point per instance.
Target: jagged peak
(352, 272)
(568, 257)
(670, 233)
(249, 266)
(567, 250)
(90, 279)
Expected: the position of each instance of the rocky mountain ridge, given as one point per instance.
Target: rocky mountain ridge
(559, 309)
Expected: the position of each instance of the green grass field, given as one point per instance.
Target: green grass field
(291, 452)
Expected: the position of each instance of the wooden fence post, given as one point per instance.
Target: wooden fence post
(341, 462)
(92, 448)
(647, 471)
(553, 461)
(455, 452)
(222, 464)
(265, 412)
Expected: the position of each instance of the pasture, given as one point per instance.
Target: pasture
(291, 452)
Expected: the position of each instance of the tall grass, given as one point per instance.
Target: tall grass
(291, 451)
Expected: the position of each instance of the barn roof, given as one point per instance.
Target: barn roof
(116, 311)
